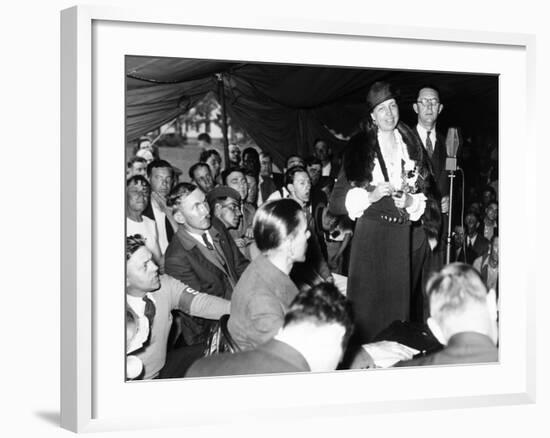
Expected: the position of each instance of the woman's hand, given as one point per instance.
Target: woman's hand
(402, 200)
(381, 190)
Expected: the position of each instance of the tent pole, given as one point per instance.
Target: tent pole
(221, 93)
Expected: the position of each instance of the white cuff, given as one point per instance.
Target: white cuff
(357, 201)
(416, 210)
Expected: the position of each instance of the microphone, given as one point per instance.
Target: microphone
(452, 142)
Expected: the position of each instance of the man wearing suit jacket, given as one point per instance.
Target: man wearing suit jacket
(428, 107)
(476, 244)
(268, 181)
(463, 317)
(202, 254)
(314, 335)
(161, 177)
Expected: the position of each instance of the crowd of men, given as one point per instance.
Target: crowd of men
(190, 238)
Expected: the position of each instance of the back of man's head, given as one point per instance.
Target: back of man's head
(322, 304)
(318, 324)
(459, 302)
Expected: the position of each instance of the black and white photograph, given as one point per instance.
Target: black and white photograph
(289, 218)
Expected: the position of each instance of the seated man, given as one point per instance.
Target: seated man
(136, 166)
(137, 199)
(463, 318)
(476, 244)
(315, 269)
(151, 298)
(201, 175)
(214, 160)
(234, 156)
(487, 265)
(160, 174)
(268, 182)
(202, 254)
(489, 223)
(314, 335)
(225, 204)
(236, 179)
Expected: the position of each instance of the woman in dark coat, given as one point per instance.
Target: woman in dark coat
(385, 185)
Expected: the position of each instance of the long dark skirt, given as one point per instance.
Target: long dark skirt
(379, 275)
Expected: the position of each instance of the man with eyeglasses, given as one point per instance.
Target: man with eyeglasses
(428, 107)
(235, 178)
(225, 203)
(202, 254)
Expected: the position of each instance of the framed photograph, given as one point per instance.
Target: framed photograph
(97, 45)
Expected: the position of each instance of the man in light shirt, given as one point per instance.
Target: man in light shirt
(137, 198)
(152, 297)
(161, 178)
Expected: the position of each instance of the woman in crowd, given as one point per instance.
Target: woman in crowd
(265, 290)
(385, 185)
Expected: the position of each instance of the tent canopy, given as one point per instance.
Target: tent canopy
(284, 108)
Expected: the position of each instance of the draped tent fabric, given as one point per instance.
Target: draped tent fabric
(284, 108)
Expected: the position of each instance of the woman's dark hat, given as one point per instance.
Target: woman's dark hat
(378, 93)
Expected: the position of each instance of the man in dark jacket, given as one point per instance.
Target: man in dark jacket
(313, 338)
(202, 254)
(463, 318)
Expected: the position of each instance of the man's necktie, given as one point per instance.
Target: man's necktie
(216, 249)
(149, 311)
(207, 242)
(429, 145)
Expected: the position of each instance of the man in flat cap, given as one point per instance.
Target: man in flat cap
(225, 204)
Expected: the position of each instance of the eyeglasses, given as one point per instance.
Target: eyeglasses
(428, 102)
(235, 208)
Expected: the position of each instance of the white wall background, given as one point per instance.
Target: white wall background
(29, 310)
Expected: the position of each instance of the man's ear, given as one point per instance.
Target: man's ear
(440, 108)
(436, 331)
(178, 217)
(415, 108)
(290, 188)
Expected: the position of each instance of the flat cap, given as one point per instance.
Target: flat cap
(222, 192)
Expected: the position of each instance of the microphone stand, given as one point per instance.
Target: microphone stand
(449, 225)
(452, 143)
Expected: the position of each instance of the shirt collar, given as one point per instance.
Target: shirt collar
(422, 130)
(137, 304)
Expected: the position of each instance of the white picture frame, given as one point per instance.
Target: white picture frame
(94, 396)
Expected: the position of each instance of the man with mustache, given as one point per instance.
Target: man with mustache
(202, 254)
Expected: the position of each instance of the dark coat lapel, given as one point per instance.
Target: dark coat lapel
(203, 255)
